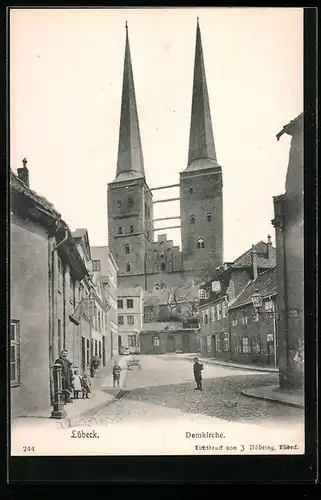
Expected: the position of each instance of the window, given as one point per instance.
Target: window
(96, 348)
(148, 212)
(99, 324)
(118, 204)
(120, 303)
(127, 248)
(191, 190)
(15, 352)
(120, 320)
(163, 266)
(130, 320)
(234, 320)
(219, 311)
(217, 343)
(256, 316)
(99, 349)
(155, 341)
(130, 303)
(96, 265)
(192, 219)
(131, 229)
(128, 267)
(120, 230)
(206, 317)
(209, 217)
(268, 305)
(87, 352)
(131, 340)
(202, 294)
(148, 235)
(224, 309)
(200, 243)
(256, 345)
(213, 313)
(145, 209)
(226, 342)
(244, 317)
(246, 349)
(130, 202)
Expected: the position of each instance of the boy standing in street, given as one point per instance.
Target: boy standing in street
(197, 368)
(116, 374)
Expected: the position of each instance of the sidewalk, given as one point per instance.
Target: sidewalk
(273, 393)
(229, 364)
(102, 394)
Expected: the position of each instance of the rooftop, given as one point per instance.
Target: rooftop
(265, 283)
(130, 292)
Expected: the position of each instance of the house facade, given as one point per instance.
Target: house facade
(253, 333)
(44, 261)
(169, 338)
(130, 306)
(289, 237)
(218, 294)
(104, 262)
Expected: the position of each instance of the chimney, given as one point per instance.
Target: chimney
(23, 173)
(254, 262)
(269, 247)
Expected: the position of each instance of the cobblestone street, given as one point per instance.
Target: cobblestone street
(164, 389)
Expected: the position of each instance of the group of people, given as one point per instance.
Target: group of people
(72, 382)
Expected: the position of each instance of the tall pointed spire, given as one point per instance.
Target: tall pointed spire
(130, 162)
(201, 152)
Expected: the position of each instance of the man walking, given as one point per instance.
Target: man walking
(66, 375)
(197, 368)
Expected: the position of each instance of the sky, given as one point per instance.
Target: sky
(66, 69)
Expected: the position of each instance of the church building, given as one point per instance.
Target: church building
(142, 259)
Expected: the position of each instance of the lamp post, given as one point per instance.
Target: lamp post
(257, 301)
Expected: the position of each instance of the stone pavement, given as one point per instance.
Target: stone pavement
(273, 393)
(212, 361)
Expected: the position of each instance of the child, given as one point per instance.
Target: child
(86, 384)
(116, 374)
(76, 382)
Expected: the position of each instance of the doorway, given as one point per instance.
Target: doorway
(170, 343)
(186, 343)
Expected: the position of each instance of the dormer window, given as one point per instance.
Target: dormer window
(202, 294)
(192, 219)
(120, 230)
(200, 243)
(209, 217)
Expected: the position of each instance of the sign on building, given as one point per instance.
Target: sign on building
(216, 286)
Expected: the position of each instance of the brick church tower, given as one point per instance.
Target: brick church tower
(130, 207)
(201, 196)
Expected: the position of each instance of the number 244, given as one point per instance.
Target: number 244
(28, 448)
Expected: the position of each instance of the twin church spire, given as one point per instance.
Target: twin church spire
(201, 154)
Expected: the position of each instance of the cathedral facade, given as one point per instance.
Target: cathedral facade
(141, 258)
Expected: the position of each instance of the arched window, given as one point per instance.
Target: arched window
(163, 266)
(200, 243)
(131, 229)
(120, 230)
(127, 248)
(128, 266)
(130, 202)
(192, 219)
(209, 217)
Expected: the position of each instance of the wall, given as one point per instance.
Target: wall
(288, 223)
(147, 346)
(137, 312)
(29, 303)
(253, 330)
(214, 326)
